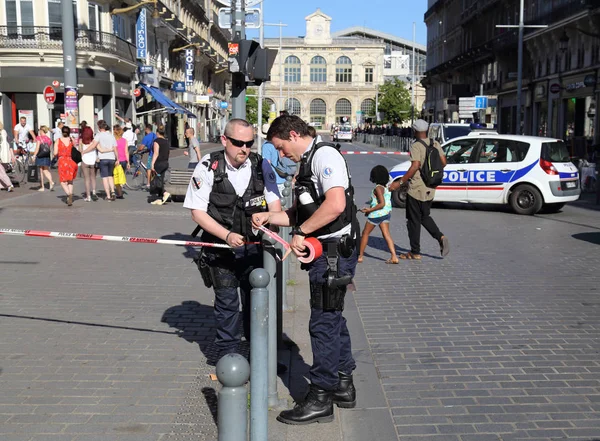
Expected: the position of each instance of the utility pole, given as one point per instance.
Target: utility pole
(259, 121)
(521, 27)
(238, 80)
(70, 66)
(414, 70)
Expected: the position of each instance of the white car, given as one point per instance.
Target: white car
(344, 133)
(528, 173)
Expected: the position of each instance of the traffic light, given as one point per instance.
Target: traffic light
(254, 62)
(247, 55)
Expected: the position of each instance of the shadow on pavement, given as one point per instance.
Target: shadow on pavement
(591, 237)
(190, 251)
(379, 244)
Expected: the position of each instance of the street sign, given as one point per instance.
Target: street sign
(224, 104)
(555, 88)
(49, 94)
(252, 18)
(50, 106)
(513, 75)
(481, 102)
(55, 83)
(146, 69)
(137, 93)
(248, 2)
(179, 86)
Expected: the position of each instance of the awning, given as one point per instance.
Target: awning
(164, 101)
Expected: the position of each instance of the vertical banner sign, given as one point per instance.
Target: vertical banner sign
(189, 69)
(141, 39)
(72, 112)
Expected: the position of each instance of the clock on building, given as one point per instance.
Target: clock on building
(319, 29)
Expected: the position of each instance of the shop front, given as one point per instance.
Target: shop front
(22, 90)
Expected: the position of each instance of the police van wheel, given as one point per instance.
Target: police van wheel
(526, 199)
(399, 198)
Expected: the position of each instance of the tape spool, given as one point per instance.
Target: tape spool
(314, 248)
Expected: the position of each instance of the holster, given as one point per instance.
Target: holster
(205, 272)
(327, 298)
(333, 274)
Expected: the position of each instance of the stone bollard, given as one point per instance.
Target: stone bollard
(233, 372)
(259, 355)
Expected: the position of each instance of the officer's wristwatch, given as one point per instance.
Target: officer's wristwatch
(296, 231)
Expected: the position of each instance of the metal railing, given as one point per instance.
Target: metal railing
(44, 37)
(398, 143)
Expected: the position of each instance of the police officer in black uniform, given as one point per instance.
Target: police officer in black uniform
(324, 209)
(227, 187)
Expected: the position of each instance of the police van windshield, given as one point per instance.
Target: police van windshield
(451, 132)
(555, 152)
(345, 129)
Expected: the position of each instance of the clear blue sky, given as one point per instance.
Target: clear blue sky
(392, 16)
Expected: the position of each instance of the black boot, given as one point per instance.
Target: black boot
(345, 395)
(317, 407)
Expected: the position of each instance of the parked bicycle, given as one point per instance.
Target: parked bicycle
(137, 175)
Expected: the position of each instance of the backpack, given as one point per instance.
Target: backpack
(44, 150)
(432, 169)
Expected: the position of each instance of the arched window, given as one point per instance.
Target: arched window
(268, 102)
(343, 70)
(292, 70)
(318, 70)
(318, 112)
(292, 105)
(343, 107)
(368, 107)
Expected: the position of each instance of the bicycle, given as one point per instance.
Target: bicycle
(23, 156)
(137, 175)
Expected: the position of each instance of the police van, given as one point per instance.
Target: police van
(344, 133)
(526, 172)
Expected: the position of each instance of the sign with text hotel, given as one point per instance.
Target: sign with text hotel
(189, 68)
(141, 37)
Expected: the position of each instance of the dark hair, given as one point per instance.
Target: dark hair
(161, 130)
(149, 127)
(283, 125)
(312, 132)
(102, 125)
(66, 129)
(379, 175)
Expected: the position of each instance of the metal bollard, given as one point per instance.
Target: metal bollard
(270, 266)
(233, 372)
(259, 317)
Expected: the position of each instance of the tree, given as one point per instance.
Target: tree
(394, 101)
(252, 107)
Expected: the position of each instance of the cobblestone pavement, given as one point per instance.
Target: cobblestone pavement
(108, 341)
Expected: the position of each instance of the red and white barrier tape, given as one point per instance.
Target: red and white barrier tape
(353, 152)
(55, 234)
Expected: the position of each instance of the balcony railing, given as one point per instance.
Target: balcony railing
(38, 37)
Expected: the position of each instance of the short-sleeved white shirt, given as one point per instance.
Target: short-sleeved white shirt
(23, 132)
(329, 170)
(200, 187)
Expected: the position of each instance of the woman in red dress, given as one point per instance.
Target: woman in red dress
(67, 169)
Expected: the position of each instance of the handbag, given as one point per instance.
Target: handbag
(32, 174)
(119, 175)
(156, 184)
(75, 154)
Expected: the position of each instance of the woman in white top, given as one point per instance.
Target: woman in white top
(7, 156)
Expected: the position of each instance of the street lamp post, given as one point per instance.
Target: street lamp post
(521, 27)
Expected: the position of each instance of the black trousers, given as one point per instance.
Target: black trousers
(417, 214)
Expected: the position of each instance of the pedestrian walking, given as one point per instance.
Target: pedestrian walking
(379, 213)
(160, 164)
(67, 168)
(89, 158)
(324, 210)
(106, 145)
(226, 188)
(122, 155)
(7, 159)
(420, 197)
(193, 151)
(41, 154)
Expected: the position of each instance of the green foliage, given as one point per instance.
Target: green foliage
(252, 107)
(394, 101)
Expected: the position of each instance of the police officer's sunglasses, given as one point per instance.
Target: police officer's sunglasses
(238, 143)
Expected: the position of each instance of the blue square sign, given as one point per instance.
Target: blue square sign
(481, 102)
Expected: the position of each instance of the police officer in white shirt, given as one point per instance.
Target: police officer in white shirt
(22, 131)
(226, 189)
(324, 209)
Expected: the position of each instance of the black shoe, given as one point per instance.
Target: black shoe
(317, 407)
(345, 395)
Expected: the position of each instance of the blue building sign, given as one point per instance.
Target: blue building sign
(179, 86)
(141, 37)
(224, 104)
(481, 102)
(146, 69)
(189, 68)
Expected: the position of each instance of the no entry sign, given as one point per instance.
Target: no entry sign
(49, 94)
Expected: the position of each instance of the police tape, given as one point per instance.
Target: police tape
(128, 239)
(314, 248)
(354, 152)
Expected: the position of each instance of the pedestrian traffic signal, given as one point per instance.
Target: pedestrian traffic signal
(252, 60)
